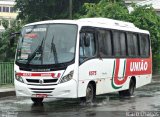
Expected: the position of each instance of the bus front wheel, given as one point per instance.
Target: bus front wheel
(37, 100)
(90, 94)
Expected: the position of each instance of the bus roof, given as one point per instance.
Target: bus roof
(97, 22)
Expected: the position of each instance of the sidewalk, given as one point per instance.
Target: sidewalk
(7, 90)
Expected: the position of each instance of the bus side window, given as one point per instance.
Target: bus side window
(87, 46)
(116, 45)
(132, 42)
(123, 44)
(144, 45)
(105, 46)
(119, 44)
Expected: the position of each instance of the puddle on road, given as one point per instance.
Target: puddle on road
(63, 105)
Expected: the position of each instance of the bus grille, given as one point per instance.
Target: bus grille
(41, 81)
(42, 90)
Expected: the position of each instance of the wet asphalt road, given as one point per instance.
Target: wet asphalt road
(146, 98)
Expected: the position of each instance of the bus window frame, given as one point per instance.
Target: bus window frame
(120, 31)
(98, 31)
(92, 30)
(149, 43)
(138, 44)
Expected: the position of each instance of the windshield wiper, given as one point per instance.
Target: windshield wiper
(53, 49)
(38, 49)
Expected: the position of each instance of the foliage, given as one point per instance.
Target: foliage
(8, 52)
(107, 8)
(5, 23)
(38, 10)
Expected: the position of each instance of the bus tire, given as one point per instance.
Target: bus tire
(37, 100)
(90, 94)
(130, 91)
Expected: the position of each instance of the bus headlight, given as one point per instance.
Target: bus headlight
(19, 78)
(66, 78)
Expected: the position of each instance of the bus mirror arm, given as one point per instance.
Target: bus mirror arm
(12, 38)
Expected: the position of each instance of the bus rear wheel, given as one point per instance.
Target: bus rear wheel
(90, 94)
(37, 100)
(130, 91)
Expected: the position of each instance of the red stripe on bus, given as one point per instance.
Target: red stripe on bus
(57, 75)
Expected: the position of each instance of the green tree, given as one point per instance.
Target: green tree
(107, 8)
(38, 10)
(8, 52)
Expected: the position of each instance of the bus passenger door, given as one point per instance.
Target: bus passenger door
(88, 61)
(91, 66)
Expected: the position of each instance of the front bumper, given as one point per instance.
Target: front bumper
(63, 90)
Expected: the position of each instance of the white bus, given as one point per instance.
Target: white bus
(81, 59)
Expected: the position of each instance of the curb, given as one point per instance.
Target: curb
(7, 92)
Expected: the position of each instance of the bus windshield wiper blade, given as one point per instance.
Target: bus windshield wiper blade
(53, 49)
(39, 48)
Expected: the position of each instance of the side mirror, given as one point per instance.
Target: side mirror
(87, 41)
(12, 38)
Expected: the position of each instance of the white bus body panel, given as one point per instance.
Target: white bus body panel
(102, 75)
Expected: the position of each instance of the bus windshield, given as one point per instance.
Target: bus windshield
(47, 44)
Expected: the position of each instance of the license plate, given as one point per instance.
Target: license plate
(41, 95)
